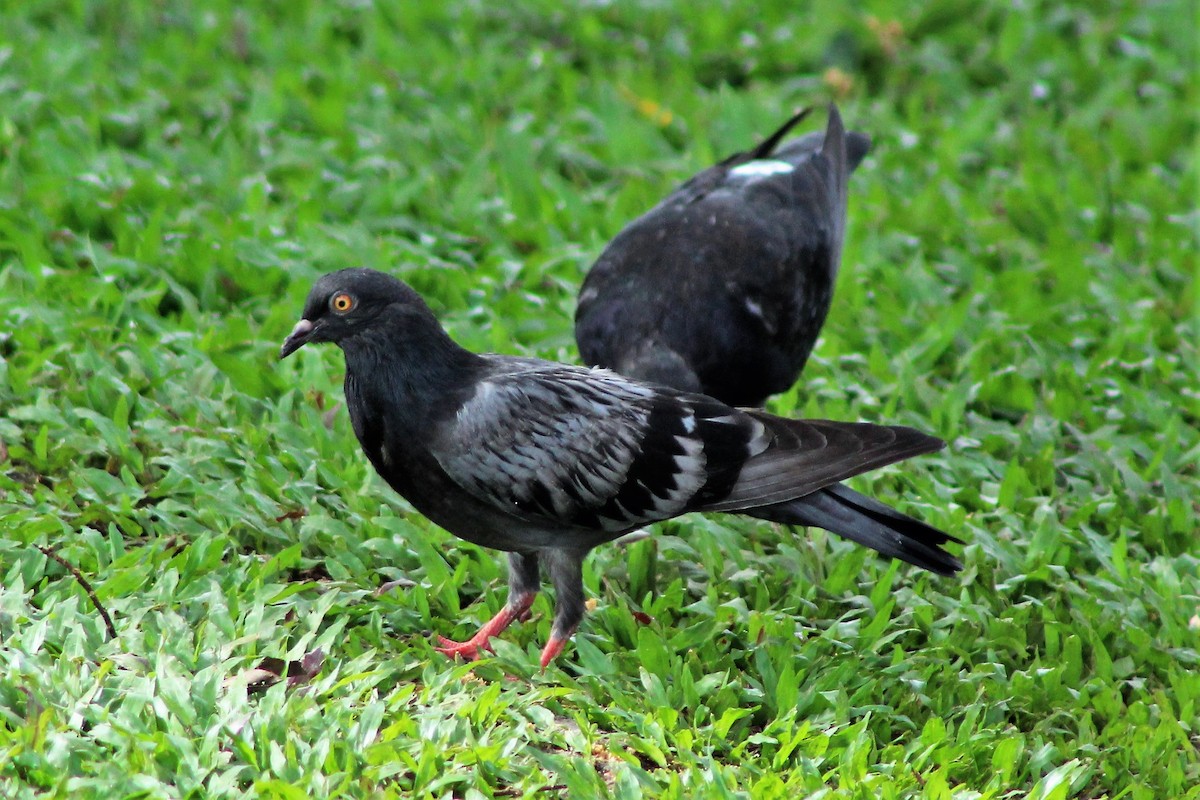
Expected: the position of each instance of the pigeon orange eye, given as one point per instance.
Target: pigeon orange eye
(341, 303)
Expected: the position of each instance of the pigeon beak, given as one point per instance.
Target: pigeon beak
(297, 338)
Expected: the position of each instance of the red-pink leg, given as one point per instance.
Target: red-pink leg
(494, 627)
(566, 572)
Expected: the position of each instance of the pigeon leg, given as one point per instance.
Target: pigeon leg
(566, 573)
(522, 589)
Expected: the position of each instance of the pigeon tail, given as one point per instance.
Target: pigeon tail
(861, 519)
(768, 145)
(803, 148)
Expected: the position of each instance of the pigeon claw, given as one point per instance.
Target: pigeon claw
(553, 647)
(468, 650)
(494, 627)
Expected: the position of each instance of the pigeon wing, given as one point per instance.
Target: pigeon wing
(568, 446)
(589, 448)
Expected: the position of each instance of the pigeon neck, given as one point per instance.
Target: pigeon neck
(408, 362)
(658, 363)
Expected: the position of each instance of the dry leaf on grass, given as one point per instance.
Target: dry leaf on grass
(271, 670)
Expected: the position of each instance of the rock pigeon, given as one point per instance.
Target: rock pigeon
(723, 287)
(547, 461)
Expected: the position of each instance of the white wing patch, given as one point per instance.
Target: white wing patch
(689, 476)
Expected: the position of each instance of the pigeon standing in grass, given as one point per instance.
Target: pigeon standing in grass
(547, 461)
(723, 287)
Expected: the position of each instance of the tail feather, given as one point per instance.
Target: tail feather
(802, 148)
(861, 519)
(768, 145)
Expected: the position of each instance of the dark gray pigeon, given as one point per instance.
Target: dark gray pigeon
(547, 461)
(722, 288)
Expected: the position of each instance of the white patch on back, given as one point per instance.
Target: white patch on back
(761, 168)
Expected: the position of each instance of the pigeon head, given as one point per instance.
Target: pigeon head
(348, 303)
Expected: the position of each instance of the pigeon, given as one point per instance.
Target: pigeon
(723, 287)
(547, 460)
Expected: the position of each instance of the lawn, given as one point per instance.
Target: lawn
(1019, 278)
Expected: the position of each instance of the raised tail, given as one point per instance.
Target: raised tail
(861, 519)
(802, 148)
(767, 146)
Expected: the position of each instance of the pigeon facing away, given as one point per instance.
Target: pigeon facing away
(723, 287)
(547, 461)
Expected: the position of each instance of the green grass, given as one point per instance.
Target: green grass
(1019, 278)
